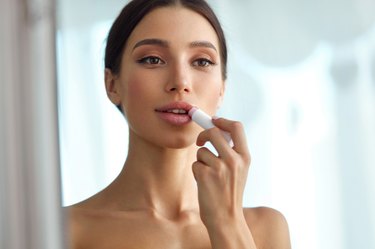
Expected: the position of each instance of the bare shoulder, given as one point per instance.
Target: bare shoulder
(80, 222)
(268, 227)
(75, 221)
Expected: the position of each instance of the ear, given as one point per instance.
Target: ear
(112, 87)
(221, 96)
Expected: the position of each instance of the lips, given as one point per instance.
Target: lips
(175, 106)
(175, 113)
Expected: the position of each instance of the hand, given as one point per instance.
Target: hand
(221, 179)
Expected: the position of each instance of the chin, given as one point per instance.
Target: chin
(177, 142)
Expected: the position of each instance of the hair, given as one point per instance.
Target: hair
(133, 13)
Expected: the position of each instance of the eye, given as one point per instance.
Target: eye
(151, 60)
(203, 62)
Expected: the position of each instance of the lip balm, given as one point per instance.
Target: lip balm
(205, 121)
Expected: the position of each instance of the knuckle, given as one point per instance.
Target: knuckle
(247, 159)
(200, 152)
(221, 175)
(232, 162)
(220, 165)
(237, 125)
(233, 167)
(200, 171)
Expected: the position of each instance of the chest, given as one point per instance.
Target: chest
(143, 234)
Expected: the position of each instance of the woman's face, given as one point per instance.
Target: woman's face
(171, 61)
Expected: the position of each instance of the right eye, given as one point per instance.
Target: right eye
(151, 60)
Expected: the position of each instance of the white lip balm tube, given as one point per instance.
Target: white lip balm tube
(205, 121)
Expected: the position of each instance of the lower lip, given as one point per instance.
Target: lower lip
(174, 119)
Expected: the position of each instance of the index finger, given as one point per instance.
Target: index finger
(237, 132)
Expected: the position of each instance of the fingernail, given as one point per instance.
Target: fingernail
(215, 117)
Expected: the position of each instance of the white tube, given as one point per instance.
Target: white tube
(205, 121)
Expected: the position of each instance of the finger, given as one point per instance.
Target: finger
(208, 158)
(200, 171)
(214, 135)
(236, 131)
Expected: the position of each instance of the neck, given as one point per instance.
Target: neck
(158, 179)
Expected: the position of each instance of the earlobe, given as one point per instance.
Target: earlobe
(111, 87)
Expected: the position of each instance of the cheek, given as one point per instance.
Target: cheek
(135, 91)
(210, 97)
(136, 88)
(138, 98)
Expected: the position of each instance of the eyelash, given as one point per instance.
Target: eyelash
(148, 61)
(210, 63)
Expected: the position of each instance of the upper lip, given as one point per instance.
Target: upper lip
(180, 105)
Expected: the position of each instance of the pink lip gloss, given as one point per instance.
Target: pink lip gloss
(205, 121)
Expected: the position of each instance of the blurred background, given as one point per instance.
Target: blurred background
(301, 78)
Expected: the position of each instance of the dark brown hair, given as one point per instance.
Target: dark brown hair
(133, 13)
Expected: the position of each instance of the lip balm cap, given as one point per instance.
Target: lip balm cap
(192, 110)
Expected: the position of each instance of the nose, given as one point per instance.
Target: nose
(179, 80)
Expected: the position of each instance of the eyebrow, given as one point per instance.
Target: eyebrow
(158, 42)
(205, 44)
(165, 44)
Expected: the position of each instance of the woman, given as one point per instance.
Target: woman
(162, 58)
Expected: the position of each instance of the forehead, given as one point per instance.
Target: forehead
(175, 24)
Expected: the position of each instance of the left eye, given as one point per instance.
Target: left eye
(203, 63)
(152, 60)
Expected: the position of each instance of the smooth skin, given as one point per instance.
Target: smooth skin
(173, 193)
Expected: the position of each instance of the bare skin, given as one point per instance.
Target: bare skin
(172, 192)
